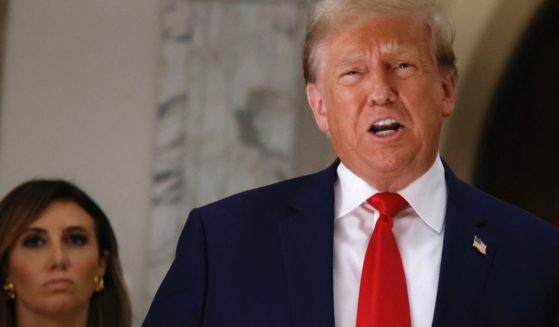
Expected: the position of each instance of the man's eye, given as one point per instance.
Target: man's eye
(403, 65)
(76, 239)
(33, 242)
(405, 70)
(351, 72)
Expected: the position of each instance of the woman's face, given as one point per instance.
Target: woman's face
(53, 263)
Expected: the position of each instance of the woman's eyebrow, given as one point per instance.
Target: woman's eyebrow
(35, 230)
(71, 229)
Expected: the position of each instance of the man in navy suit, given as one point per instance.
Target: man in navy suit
(380, 79)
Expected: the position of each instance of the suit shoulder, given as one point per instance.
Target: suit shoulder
(274, 195)
(510, 220)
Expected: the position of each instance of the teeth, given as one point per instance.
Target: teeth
(385, 122)
(386, 133)
(385, 127)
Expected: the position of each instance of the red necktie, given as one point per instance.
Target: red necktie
(383, 294)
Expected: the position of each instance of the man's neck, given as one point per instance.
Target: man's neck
(393, 181)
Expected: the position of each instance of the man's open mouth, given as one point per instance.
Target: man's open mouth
(385, 127)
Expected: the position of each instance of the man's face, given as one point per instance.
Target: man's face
(382, 99)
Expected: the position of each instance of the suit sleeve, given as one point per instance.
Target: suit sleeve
(180, 299)
(557, 315)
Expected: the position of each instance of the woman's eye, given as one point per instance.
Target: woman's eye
(33, 242)
(76, 239)
(403, 65)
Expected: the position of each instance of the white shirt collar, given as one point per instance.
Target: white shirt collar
(426, 195)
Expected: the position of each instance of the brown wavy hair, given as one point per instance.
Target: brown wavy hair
(22, 206)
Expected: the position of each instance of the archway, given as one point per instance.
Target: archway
(518, 157)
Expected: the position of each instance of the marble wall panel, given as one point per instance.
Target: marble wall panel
(232, 113)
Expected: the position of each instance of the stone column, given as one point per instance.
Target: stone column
(231, 106)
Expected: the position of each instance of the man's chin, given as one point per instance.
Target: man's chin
(385, 173)
(388, 163)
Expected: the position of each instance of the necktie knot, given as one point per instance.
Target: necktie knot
(388, 203)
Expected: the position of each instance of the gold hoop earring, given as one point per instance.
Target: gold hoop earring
(99, 283)
(10, 290)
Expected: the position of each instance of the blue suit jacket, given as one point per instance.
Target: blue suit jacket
(264, 258)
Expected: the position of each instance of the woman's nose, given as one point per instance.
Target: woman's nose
(58, 257)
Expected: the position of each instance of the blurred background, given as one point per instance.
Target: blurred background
(155, 107)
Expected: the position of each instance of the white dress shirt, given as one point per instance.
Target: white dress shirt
(418, 230)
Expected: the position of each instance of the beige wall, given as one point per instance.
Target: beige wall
(78, 102)
(79, 98)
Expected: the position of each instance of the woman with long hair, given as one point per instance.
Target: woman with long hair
(59, 263)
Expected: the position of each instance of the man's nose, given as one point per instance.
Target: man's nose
(381, 90)
(58, 257)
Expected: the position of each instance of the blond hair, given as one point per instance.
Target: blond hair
(329, 15)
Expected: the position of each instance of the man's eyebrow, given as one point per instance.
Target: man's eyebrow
(394, 47)
(391, 47)
(351, 59)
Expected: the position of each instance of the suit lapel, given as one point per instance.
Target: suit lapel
(307, 246)
(463, 268)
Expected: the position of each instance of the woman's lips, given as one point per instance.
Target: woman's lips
(58, 284)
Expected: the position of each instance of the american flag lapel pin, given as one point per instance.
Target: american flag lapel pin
(479, 245)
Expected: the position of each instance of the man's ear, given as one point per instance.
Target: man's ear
(449, 93)
(316, 102)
